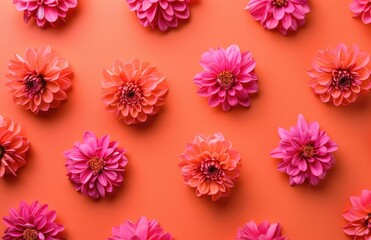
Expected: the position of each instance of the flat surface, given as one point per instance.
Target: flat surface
(100, 31)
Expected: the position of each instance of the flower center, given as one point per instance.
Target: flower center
(226, 79)
(34, 84)
(130, 94)
(211, 170)
(368, 221)
(307, 151)
(2, 151)
(30, 234)
(341, 79)
(279, 3)
(96, 164)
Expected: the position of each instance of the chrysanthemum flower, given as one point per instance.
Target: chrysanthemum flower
(143, 229)
(340, 74)
(359, 217)
(13, 147)
(362, 8)
(45, 12)
(40, 80)
(32, 222)
(210, 165)
(306, 152)
(228, 77)
(265, 231)
(283, 15)
(161, 14)
(133, 91)
(95, 166)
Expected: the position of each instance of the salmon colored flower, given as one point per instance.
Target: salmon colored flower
(39, 80)
(340, 74)
(210, 165)
(263, 231)
(362, 8)
(13, 147)
(359, 217)
(133, 91)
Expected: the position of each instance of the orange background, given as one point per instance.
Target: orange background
(100, 31)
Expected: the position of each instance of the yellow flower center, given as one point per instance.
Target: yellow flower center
(226, 79)
(279, 3)
(96, 164)
(308, 151)
(30, 234)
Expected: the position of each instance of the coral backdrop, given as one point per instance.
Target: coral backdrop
(100, 31)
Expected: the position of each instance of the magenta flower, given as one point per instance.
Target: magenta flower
(264, 231)
(143, 229)
(306, 152)
(162, 14)
(362, 8)
(228, 77)
(32, 222)
(283, 15)
(95, 166)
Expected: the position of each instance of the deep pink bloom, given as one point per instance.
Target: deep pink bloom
(45, 12)
(283, 15)
(210, 165)
(359, 217)
(32, 222)
(162, 14)
(13, 147)
(264, 231)
(143, 229)
(95, 166)
(362, 8)
(228, 77)
(306, 152)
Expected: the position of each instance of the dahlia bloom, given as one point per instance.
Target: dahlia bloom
(340, 74)
(265, 231)
(133, 91)
(40, 80)
(143, 229)
(161, 14)
(210, 165)
(306, 152)
(45, 12)
(95, 166)
(228, 77)
(359, 217)
(283, 15)
(32, 222)
(13, 147)
(362, 8)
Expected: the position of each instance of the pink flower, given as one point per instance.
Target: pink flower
(285, 15)
(306, 152)
(133, 91)
(264, 231)
(362, 8)
(210, 165)
(340, 74)
(45, 12)
(143, 229)
(228, 77)
(162, 14)
(359, 217)
(32, 222)
(13, 147)
(40, 80)
(95, 166)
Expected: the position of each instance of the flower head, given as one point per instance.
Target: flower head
(359, 217)
(362, 8)
(95, 166)
(210, 165)
(143, 229)
(133, 91)
(228, 77)
(13, 147)
(161, 14)
(40, 80)
(306, 152)
(45, 12)
(265, 231)
(32, 222)
(340, 74)
(283, 15)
